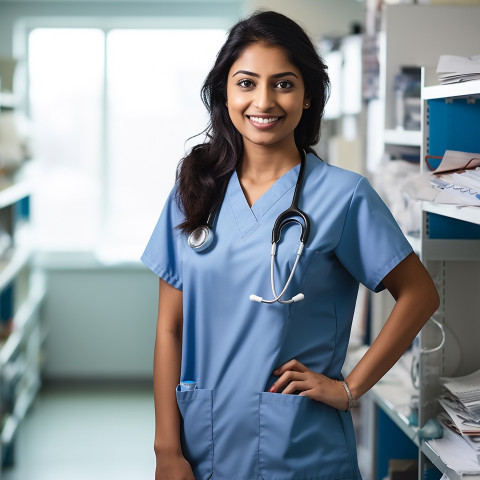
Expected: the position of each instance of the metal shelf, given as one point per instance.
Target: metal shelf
(22, 405)
(403, 137)
(11, 266)
(393, 395)
(22, 321)
(13, 192)
(462, 89)
(432, 455)
(467, 214)
(391, 410)
(433, 249)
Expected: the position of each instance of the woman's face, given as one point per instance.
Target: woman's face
(265, 96)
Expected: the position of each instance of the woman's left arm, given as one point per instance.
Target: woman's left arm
(416, 300)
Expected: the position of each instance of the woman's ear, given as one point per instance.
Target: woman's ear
(306, 103)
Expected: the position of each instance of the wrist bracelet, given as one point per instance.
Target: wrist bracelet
(351, 399)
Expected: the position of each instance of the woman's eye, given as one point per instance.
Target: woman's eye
(284, 84)
(245, 83)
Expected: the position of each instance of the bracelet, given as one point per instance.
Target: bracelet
(351, 399)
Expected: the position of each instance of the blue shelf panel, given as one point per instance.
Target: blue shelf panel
(453, 125)
(392, 443)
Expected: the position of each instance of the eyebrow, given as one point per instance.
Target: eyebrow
(277, 75)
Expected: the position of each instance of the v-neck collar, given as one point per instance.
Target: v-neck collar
(247, 217)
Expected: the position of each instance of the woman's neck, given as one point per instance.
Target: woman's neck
(262, 164)
(262, 167)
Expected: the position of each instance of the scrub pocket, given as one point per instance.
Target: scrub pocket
(301, 439)
(196, 430)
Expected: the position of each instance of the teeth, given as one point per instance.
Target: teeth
(264, 120)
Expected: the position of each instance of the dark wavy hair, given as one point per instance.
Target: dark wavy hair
(203, 174)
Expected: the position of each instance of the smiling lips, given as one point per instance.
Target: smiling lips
(263, 123)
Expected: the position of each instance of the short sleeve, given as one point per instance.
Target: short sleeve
(163, 253)
(372, 243)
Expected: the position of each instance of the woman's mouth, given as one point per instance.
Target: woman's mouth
(263, 122)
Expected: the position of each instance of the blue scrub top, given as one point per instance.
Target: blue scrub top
(232, 427)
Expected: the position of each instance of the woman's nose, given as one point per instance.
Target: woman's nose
(263, 99)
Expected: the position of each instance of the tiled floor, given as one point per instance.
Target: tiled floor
(86, 434)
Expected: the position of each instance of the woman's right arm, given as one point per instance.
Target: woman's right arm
(171, 465)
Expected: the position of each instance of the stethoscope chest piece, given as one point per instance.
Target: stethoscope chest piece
(201, 238)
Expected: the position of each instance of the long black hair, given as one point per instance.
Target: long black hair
(203, 173)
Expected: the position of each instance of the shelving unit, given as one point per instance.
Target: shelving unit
(22, 291)
(403, 43)
(451, 253)
(454, 263)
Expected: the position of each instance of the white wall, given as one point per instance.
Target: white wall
(100, 322)
(318, 17)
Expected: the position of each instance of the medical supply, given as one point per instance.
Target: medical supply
(187, 385)
(432, 429)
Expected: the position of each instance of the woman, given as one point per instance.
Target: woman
(270, 401)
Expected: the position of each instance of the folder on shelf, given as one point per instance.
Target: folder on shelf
(454, 160)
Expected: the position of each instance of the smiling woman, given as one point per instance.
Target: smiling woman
(269, 398)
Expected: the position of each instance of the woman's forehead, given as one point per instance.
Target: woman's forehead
(264, 59)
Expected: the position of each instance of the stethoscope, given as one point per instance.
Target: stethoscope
(202, 237)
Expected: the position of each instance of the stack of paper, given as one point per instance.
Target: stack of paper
(451, 449)
(458, 183)
(467, 390)
(455, 69)
(461, 402)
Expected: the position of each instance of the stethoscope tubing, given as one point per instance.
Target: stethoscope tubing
(277, 298)
(201, 238)
(286, 217)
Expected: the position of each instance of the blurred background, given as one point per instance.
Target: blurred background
(99, 101)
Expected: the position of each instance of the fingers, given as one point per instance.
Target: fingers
(285, 381)
(293, 364)
(294, 377)
(296, 386)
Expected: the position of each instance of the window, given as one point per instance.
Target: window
(66, 84)
(112, 111)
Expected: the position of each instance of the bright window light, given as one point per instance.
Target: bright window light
(112, 113)
(153, 83)
(66, 85)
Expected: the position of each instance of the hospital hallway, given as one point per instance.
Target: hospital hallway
(87, 433)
